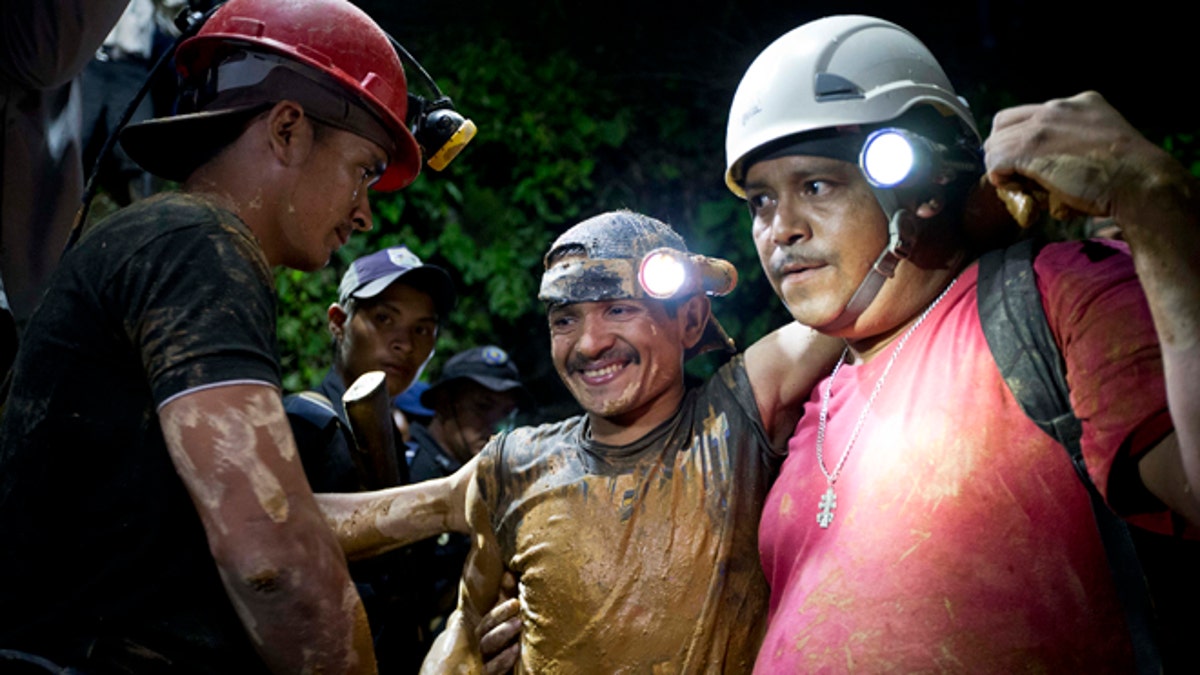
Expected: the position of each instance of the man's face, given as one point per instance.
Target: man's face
(394, 331)
(818, 229)
(329, 201)
(470, 414)
(619, 358)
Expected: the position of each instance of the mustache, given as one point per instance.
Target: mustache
(578, 362)
(791, 259)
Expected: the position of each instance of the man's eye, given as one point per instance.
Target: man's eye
(758, 202)
(622, 310)
(370, 175)
(817, 187)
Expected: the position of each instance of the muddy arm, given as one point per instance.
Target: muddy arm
(280, 564)
(370, 523)
(1090, 159)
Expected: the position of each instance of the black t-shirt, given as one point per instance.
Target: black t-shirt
(102, 548)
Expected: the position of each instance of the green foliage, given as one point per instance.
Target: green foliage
(568, 127)
(1185, 148)
(491, 215)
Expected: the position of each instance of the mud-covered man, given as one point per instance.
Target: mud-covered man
(154, 513)
(631, 528)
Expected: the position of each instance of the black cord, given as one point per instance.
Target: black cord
(407, 57)
(189, 22)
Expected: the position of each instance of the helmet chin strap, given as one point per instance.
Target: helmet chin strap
(899, 246)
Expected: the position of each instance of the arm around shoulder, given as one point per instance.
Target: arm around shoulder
(783, 368)
(279, 562)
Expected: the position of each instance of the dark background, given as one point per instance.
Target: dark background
(1139, 55)
(584, 107)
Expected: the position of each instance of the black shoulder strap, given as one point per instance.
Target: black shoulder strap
(312, 407)
(1015, 326)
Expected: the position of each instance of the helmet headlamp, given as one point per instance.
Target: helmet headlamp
(662, 274)
(888, 158)
(894, 158)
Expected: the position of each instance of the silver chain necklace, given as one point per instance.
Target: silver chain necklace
(828, 503)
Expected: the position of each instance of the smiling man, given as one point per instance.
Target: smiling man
(631, 528)
(153, 512)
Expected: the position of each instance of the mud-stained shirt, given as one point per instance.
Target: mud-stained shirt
(103, 552)
(640, 558)
(962, 539)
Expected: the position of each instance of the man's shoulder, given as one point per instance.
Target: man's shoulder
(537, 435)
(313, 407)
(1086, 261)
(168, 216)
(730, 381)
(525, 447)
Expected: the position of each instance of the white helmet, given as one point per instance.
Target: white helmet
(833, 72)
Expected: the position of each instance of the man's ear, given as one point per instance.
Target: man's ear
(693, 317)
(289, 132)
(337, 321)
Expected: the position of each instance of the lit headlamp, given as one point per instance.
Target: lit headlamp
(894, 158)
(666, 273)
(662, 274)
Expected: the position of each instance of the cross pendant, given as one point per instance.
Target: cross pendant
(826, 506)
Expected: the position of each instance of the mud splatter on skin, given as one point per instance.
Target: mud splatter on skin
(241, 609)
(266, 581)
(235, 445)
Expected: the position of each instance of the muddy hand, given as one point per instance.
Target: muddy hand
(1080, 152)
(500, 630)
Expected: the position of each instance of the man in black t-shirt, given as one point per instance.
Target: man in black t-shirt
(152, 512)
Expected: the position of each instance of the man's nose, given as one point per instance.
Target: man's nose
(789, 224)
(360, 217)
(595, 337)
(401, 341)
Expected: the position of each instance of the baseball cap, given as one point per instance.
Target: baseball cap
(488, 366)
(371, 274)
(409, 401)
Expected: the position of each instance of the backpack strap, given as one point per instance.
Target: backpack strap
(1019, 336)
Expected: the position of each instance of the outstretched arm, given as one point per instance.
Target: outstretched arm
(280, 564)
(783, 367)
(370, 523)
(457, 648)
(1090, 159)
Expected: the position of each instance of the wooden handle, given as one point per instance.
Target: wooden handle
(368, 408)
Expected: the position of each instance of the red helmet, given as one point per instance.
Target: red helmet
(331, 36)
